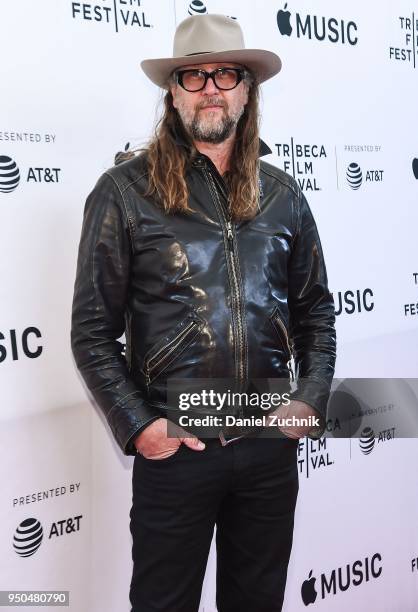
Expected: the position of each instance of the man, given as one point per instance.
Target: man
(210, 261)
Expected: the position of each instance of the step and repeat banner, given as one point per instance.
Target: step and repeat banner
(341, 118)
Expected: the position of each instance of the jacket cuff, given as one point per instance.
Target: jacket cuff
(129, 447)
(127, 420)
(316, 393)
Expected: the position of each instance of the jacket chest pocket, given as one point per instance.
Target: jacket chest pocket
(167, 350)
(282, 333)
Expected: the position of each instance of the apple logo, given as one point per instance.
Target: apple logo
(123, 155)
(283, 22)
(308, 590)
(415, 167)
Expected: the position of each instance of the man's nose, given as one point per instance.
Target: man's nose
(210, 88)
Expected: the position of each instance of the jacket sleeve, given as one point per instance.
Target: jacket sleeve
(312, 316)
(99, 310)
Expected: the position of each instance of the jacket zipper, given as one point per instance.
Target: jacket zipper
(286, 338)
(173, 344)
(230, 236)
(238, 301)
(233, 263)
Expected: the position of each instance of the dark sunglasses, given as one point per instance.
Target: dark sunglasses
(195, 79)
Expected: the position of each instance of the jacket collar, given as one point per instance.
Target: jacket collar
(181, 140)
(264, 148)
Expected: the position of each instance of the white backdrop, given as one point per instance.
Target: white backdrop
(72, 96)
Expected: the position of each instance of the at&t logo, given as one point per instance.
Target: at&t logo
(319, 28)
(28, 537)
(355, 176)
(29, 533)
(368, 440)
(197, 7)
(9, 174)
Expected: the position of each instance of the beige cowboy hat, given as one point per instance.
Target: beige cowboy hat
(202, 39)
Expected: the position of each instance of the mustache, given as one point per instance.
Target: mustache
(212, 102)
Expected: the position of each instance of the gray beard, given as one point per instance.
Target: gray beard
(214, 134)
(201, 132)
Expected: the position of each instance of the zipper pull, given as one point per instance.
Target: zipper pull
(230, 235)
(289, 367)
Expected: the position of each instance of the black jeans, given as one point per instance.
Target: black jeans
(249, 490)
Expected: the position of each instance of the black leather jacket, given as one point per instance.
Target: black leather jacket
(196, 295)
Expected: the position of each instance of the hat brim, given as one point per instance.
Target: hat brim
(263, 64)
